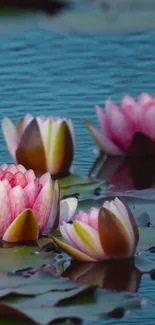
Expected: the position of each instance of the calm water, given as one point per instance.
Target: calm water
(44, 73)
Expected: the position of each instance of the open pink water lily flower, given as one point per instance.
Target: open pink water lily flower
(42, 144)
(102, 234)
(128, 129)
(30, 206)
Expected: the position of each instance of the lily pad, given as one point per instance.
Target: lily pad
(13, 259)
(82, 186)
(146, 238)
(39, 283)
(82, 304)
(144, 265)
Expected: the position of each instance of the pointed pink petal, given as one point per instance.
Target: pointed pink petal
(103, 119)
(4, 166)
(45, 178)
(105, 144)
(18, 201)
(93, 218)
(11, 136)
(128, 101)
(32, 190)
(13, 169)
(21, 168)
(149, 122)
(23, 228)
(83, 217)
(67, 208)
(30, 175)
(5, 211)
(26, 121)
(43, 205)
(121, 128)
(7, 175)
(18, 179)
(145, 99)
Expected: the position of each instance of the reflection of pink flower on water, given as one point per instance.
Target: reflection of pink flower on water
(102, 234)
(121, 124)
(30, 205)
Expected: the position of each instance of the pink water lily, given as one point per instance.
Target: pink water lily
(128, 129)
(30, 206)
(42, 144)
(102, 234)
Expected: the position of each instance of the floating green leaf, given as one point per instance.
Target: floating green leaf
(13, 259)
(82, 185)
(39, 283)
(82, 303)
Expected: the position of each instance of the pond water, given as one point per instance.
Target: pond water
(45, 73)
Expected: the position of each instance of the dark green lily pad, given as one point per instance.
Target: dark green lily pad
(13, 259)
(39, 283)
(82, 303)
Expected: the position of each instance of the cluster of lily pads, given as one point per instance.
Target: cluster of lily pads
(35, 212)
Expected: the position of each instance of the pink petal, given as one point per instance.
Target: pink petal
(43, 205)
(93, 218)
(13, 169)
(149, 122)
(128, 101)
(67, 208)
(11, 136)
(5, 211)
(7, 175)
(27, 120)
(83, 217)
(103, 119)
(4, 166)
(105, 144)
(121, 128)
(144, 99)
(32, 190)
(18, 201)
(30, 176)
(18, 179)
(21, 168)
(45, 178)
